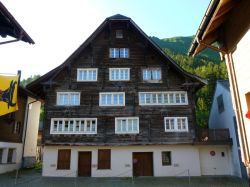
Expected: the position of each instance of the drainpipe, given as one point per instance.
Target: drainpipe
(25, 128)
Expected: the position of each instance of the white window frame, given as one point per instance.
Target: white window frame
(176, 129)
(63, 131)
(112, 54)
(150, 79)
(123, 52)
(175, 94)
(127, 118)
(112, 98)
(69, 98)
(119, 74)
(88, 71)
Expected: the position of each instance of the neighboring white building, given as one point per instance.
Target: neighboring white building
(222, 116)
(18, 135)
(225, 29)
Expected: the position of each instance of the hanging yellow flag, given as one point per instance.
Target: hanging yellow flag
(8, 94)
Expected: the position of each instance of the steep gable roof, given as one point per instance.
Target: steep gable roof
(9, 26)
(53, 73)
(224, 83)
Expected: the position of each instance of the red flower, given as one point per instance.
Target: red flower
(248, 114)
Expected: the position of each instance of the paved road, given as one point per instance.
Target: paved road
(32, 178)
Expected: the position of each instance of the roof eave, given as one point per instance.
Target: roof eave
(23, 34)
(202, 28)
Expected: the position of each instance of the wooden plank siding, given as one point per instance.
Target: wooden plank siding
(7, 122)
(151, 118)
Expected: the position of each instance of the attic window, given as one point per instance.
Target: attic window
(119, 34)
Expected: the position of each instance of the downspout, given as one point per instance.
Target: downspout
(25, 128)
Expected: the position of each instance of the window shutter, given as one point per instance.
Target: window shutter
(63, 160)
(104, 156)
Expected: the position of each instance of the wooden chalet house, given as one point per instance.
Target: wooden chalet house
(118, 106)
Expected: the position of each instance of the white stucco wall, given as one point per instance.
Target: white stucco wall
(241, 59)
(17, 156)
(32, 128)
(184, 158)
(215, 164)
(225, 120)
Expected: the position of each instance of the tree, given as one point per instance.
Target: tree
(24, 82)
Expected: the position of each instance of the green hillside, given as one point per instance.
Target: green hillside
(206, 65)
(181, 45)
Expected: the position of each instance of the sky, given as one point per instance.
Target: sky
(59, 27)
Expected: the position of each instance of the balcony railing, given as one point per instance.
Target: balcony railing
(213, 135)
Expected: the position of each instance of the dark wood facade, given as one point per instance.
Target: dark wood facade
(8, 121)
(94, 53)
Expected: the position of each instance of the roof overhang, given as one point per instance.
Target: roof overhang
(10, 27)
(223, 25)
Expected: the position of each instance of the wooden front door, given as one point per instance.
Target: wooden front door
(84, 164)
(143, 164)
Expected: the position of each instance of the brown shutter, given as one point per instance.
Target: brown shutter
(104, 156)
(63, 160)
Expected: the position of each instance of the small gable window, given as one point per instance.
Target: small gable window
(124, 53)
(118, 34)
(119, 52)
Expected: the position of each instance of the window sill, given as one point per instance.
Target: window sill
(9, 163)
(177, 131)
(152, 81)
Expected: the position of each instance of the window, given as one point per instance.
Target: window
(112, 99)
(119, 53)
(10, 155)
(104, 157)
(163, 98)
(68, 98)
(63, 159)
(16, 128)
(1, 156)
(73, 126)
(124, 53)
(114, 52)
(127, 125)
(173, 124)
(87, 74)
(220, 103)
(118, 34)
(151, 74)
(119, 74)
(166, 158)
